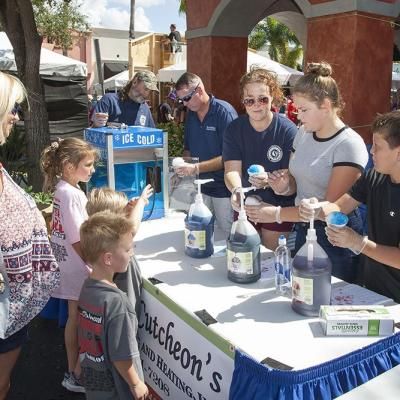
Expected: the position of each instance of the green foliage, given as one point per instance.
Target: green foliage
(175, 138)
(13, 155)
(283, 45)
(182, 7)
(56, 19)
(42, 199)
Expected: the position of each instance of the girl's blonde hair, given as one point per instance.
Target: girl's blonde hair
(317, 85)
(100, 199)
(58, 154)
(268, 78)
(12, 91)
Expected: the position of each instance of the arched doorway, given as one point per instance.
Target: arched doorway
(347, 34)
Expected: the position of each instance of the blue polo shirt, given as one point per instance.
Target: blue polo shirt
(128, 112)
(270, 148)
(204, 140)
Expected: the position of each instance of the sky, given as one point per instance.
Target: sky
(150, 15)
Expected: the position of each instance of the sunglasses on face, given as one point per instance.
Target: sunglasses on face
(16, 109)
(250, 102)
(188, 97)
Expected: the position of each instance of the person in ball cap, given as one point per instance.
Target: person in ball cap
(129, 106)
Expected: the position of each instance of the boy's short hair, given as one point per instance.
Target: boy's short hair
(100, 199)
(101, 233)
(389, 126)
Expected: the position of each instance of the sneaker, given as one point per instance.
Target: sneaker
(72, 383)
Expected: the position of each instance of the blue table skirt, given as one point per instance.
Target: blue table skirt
(252, 380)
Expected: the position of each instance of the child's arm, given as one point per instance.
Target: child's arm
(127, 371)
(135, 207)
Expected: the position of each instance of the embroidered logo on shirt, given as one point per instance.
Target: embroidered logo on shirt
(392, 213)
(274, 153)
(211, 128)
(142, 120)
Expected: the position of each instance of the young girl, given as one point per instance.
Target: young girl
(66, 163)
(260, 137)
(327, 158)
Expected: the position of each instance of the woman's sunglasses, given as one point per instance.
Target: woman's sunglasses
(251, 102)
(16, 109)
(189, 96)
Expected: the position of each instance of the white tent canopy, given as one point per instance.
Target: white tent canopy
(286, 75)
(117, 81)
(51, 63)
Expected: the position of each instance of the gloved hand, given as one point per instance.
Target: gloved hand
(99, 119)
(187, 169)
(279, 181)
(261, 213)
(235, 198)
(308, 209)
(346, 237)
(260, 181)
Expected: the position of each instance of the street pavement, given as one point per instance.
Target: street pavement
(41, 365)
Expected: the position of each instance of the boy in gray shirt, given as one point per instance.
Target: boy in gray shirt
(107, 324)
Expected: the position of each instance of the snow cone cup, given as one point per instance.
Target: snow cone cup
(337, 219)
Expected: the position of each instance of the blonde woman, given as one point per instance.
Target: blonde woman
(26, 261)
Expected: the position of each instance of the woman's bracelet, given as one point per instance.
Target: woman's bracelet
(363, 244)
(278, 214)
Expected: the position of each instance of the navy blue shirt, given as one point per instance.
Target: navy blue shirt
(128, 112)
(204, 140)
(270, 148)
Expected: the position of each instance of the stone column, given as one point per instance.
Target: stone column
(359, 46)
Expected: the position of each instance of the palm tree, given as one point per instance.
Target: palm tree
(182, 7)
(132, 21)
(283, 45)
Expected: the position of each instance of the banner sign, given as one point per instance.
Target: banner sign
(182, 358)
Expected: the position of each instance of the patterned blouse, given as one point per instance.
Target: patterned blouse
(30, 265)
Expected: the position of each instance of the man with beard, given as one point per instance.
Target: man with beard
(129, 106)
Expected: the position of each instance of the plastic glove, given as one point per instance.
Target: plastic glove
(187, 170)
(99, 119)
(140, 391)
(279, 180)
(260, 181)
(261, 213)
(307, 211)
(345, 237)
(235, 198)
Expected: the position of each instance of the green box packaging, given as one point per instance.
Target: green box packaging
(356, 320)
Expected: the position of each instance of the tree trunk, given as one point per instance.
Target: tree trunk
(18, 21)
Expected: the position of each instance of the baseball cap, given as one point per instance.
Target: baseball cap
(149, 79)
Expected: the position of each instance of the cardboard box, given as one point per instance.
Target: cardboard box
(356, 320)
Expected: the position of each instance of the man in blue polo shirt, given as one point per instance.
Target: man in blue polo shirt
(206, 121)
(129, 106)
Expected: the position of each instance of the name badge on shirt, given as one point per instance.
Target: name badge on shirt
(211, 128)
(142, 120)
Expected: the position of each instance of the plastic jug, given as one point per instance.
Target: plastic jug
(199, 226)
(311, 276)
(243, 249)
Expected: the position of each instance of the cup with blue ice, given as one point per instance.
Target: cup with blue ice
(337, 219)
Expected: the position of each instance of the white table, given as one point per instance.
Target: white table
(252, 317)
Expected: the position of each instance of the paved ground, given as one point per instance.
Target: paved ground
(40, 368)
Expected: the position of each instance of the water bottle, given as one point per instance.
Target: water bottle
(282, 268)
(311, 277)
(243, 250)
(199, 227)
